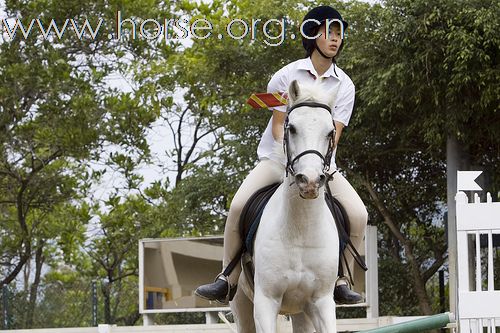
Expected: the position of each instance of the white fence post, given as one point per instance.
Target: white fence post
(371, 255)
(477, 308)
(147, 319)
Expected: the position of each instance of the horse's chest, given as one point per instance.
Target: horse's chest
(298, 249)
(303, 266)
(306, 247)
(306, 280)
(311, 263)
(297, 264)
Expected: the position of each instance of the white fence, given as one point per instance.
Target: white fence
(284, 326)
(213, 328)
(478, 300)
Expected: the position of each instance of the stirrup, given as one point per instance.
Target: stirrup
(345, 279)
(343, 294)
(231, 290)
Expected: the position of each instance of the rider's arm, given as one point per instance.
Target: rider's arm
(278, 123)
(278, 83)
(343, 108)
(338, 131)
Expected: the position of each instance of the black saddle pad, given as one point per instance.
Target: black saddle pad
(252, 213)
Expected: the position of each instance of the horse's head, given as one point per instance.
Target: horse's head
(309, 136)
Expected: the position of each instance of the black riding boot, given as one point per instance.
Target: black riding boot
(218, 291)
(344, 295)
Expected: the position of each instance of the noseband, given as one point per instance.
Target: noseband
(290, 162)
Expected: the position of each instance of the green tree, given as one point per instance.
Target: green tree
(114, 258)
(423, 71)
(57, 115)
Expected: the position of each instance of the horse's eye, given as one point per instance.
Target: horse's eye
(331, 134)
(292, 129)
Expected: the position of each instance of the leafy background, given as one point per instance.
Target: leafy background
(426, 72)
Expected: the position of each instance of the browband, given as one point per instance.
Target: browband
(311, 104)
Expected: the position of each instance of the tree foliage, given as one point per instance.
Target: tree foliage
(424, 71)
(418, 84)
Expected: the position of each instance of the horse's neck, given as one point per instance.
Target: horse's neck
(301, 213)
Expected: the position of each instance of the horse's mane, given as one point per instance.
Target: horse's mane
(313, 92)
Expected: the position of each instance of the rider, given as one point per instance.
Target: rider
(319, 64)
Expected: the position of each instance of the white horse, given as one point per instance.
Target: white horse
(297, 245)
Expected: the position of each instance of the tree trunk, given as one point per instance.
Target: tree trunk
(456, 159)
(22, 261)
(418, 282)
(39, 260)
(106, 293)
(26, 239)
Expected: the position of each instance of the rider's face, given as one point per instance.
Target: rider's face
(329, 41)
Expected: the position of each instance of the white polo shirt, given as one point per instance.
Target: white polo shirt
(303, 71)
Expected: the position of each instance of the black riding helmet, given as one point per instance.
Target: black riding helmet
(321, 14)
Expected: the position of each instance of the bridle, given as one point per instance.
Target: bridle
(286, 137)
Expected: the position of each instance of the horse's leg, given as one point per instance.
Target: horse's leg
(265, 312)
(242, 309)
(322, 314)
(301, 323)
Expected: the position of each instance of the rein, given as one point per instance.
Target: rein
(326, 159)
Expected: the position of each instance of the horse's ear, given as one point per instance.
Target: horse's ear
(293, 91)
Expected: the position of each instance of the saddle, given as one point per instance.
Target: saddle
(252, 214)
(253, 209)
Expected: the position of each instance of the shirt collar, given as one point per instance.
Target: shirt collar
(306, 64)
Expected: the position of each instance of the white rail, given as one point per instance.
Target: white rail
(478, 300)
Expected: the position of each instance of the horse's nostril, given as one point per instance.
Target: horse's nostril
(301, 179)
